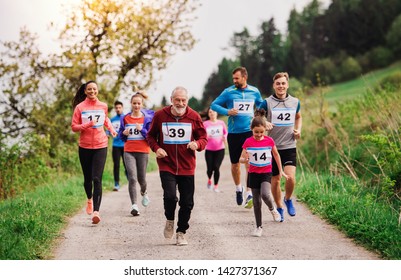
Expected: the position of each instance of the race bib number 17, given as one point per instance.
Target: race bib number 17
(98, 116)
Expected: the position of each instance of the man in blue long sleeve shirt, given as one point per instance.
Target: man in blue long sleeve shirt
(238, 103)
(118, 145)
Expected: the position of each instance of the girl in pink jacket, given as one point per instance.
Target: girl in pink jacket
(89, 119)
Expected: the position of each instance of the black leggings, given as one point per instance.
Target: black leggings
(213, 163)
(117, 153)
(92, 163)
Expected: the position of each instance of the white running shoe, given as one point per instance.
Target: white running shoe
(134, 210)
(257, 232)
(169, 229)
(276, 215)
(145, 200)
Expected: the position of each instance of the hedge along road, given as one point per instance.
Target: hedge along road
(219, 229)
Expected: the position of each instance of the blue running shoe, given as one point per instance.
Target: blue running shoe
(290, 207)
(116, 187)
(281, 211)
(240, 198)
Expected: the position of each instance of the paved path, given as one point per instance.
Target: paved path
(219, 230)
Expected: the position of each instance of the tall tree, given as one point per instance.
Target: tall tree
(118, 43)
(218, 81)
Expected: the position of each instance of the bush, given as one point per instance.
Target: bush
(390, 83)
(380, 57)
(349, 69)
(393, 37)
(321, 71)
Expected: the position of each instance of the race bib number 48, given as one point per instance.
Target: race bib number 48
(244, 106)
(176, 133)
(134, 133)
(98, 116)
(260, 156)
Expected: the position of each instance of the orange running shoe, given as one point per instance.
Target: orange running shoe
(89, 207)
(95, 218)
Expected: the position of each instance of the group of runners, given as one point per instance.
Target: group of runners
(261, 134)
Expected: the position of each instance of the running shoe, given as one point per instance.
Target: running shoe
(249, 202)
(181, 241)
(290, 207)
(116, 187)
(169, 229)
(145, 200)
(134, 210)
(257, 232)
(240, 198)
(89, 206)
(209, 184)
(95, 218)
(216, 189)
(281, 212)
(276, 215)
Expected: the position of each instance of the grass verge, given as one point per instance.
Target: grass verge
(30, 224)
(370, 222)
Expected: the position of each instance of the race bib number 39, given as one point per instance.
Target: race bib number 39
(98, 116)
(134, 133)
(176, 133)
(283, 116)
(244, 106)
(260, 156)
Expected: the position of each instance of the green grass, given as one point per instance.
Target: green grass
(352, 89)
(30, 224)
(370, 222)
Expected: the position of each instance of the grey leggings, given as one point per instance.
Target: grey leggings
(263, 193)
(136, 164)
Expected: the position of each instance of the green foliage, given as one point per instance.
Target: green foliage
(393, 37)
(321, 71)
(379, 57)
(391, 82)
(349, 69)
(23, 165)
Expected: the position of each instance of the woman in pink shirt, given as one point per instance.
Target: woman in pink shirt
(89, 119)
(258, 151)
(215, 148)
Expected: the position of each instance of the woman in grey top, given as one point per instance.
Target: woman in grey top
(284, 125)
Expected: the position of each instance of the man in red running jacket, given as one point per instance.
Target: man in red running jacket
(175, 134)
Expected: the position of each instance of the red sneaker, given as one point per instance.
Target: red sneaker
(89, 206)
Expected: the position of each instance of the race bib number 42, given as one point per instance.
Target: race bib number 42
(283, 116)
(176, 133)
(98, 116)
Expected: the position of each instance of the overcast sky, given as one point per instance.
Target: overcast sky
(217, 21)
